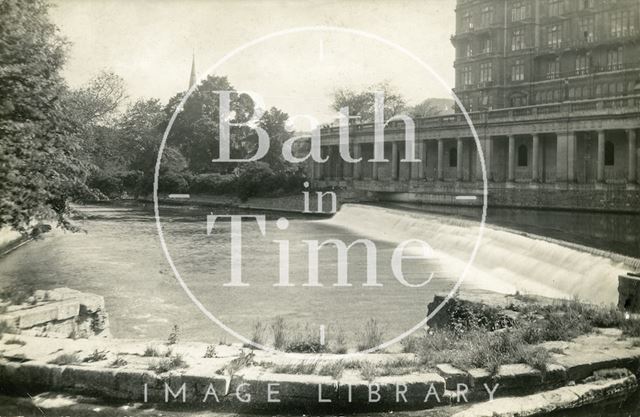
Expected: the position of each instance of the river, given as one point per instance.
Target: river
(119, 257)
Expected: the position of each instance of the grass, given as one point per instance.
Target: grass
(96, 356)
(153, 351)
(279, 330)
(245, 359)
(168, 364)
(258, 335)
(371, 335)
(15, 341)
(118, 362)
(369, 371)
(17, 296)
(65, 359)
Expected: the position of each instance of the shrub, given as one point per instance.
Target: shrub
(172, 182)
(210, 352)
(65, 359)
(253, 179)
(153, 351)
(212, 184)
(108, 183)
(631, 327)
(167, 364)
(118, 362)
(17, 296)
(96, 356)
(173, 335)
(371, 335)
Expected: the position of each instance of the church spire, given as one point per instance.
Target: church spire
(192, 78)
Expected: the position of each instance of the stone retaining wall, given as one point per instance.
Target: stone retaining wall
(251, 392)
(61, 312)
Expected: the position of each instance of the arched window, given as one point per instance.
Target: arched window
(453, 157)
(523, 158)
(609, 158)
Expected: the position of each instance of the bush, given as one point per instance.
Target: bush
(254, 178)
(212, 184)
(172, 182)
(108, 183)
(131, 181)
(173, 336)
(118, 362)
(168, 364)
(96, 356)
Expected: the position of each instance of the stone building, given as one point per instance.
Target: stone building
(552, 88)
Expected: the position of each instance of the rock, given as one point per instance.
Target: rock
(452, 375)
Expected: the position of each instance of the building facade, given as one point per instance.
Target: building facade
(552, 91)
(513, 53)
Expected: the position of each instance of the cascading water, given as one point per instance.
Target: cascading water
(506, 261)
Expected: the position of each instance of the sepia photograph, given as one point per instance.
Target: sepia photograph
(254, 208)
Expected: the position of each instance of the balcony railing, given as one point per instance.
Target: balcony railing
(540, 111)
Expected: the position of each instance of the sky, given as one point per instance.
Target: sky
(150, 45)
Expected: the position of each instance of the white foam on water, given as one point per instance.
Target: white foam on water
(506, 261)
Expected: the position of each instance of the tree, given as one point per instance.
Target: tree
(195, 131)
(38, 166)
(95, 111)
(361, 104)
(425, 108)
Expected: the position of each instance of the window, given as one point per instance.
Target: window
(585, 4)
(518, 100)
(466, 22)
(556, 7)
(517, 70)
(453, 157)
(609, 156)
(486, 17)
(517, 40)
(621, 23)
(553, 69)
(614, 59)
(467, 76)
(487, 45)
(523, 157)
(586, 28)
(554, 37)
(582, 64)
(486, 70)
(518, 12)
(468, 50)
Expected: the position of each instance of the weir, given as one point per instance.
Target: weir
(506, 261)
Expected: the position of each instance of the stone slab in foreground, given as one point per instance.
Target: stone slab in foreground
(558, 399)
